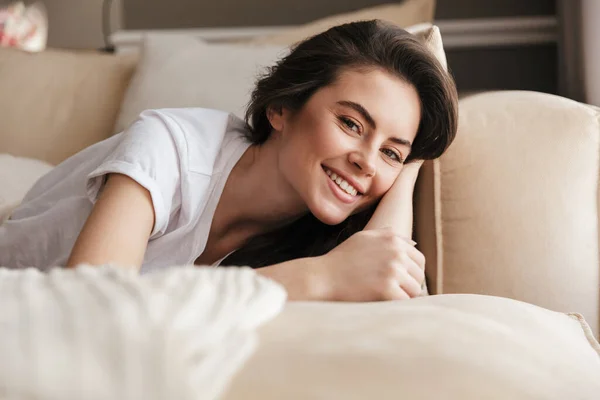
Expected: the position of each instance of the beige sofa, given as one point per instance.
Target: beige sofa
(509, 212)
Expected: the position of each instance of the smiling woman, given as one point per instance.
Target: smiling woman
(333, 139)
(358, 101)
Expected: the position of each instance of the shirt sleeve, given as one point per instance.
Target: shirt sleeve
(149, 152)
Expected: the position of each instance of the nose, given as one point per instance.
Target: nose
(364, 160)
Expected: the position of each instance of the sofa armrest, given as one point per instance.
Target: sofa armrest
(514, 203)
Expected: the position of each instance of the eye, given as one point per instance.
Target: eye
(353, 126)
(393, 155)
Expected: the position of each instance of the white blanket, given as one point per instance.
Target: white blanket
(104, 333)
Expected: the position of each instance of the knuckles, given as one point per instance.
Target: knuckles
(389, 272)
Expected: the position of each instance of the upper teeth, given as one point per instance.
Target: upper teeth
(346, 187)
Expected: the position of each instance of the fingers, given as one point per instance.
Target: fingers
(416, 256)
(399, 266)
(410, 248)
(411, 279)
(410, 265)
(403, 287)
(415, 271)
(395, 292)
(408, 283)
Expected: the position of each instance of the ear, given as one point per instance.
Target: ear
(276, 117)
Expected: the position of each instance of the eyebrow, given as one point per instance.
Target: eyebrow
(367, 116)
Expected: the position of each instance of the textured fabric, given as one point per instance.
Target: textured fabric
(405, 13)
(99, 333)
(181, 156)
(517, 203)
(183, 71)
(454, 347)
(17, 175)
(57, 102)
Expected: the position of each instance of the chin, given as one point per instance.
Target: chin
(329, 217)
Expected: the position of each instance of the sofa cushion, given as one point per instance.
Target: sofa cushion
(57, 102)
(183, 71)
(405, 13)
(518, 203)
(455, 347)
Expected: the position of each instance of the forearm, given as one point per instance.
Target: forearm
(302, 278)
(395, 210)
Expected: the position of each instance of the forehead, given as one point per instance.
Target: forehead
(392, 102)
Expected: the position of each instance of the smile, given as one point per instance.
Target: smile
(341, 188)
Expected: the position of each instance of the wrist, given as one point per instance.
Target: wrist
(303, 278)
(408, 180)
(410, 172)
(316, 280)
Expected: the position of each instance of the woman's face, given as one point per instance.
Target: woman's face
(357, 131)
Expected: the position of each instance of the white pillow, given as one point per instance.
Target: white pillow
(183, 71)
(17, 176)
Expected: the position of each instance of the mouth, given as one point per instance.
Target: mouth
(343, 190)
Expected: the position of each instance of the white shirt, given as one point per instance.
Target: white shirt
(181, 156)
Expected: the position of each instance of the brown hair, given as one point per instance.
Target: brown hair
(315, 63)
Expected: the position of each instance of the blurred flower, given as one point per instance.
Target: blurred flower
(24, 27)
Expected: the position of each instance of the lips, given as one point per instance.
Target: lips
(340, 194)
(360, 189)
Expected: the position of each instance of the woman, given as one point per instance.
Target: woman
(314, 189)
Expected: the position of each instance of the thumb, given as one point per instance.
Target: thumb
(401, 236)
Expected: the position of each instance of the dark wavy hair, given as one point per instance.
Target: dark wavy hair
(317, 62)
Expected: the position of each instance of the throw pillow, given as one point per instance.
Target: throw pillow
(405, 13)
(183, 71)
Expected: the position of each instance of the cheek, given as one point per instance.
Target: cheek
(325, 139)
(313, 144)
(295, 159)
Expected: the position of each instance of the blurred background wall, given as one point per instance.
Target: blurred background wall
(145, 14)
(553, 60)
(531, 67)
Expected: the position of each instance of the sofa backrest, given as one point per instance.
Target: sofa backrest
(57, 102)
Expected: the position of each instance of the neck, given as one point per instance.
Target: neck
(256, 197)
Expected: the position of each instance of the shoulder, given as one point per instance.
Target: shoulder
(183, 123)
(200, 134)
